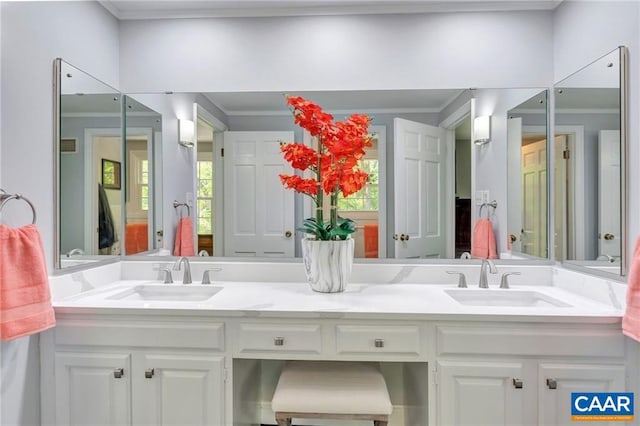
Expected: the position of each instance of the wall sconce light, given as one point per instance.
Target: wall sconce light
(482, 130)
(186, 133)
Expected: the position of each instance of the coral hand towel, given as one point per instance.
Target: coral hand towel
(184, 238)
(25, 299)
(631, 318)
(484, 240)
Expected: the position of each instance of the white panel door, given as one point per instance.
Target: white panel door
(609, 193)
(534, 199)
(179, 390)
(258, 210)
(482, 393)
(514, 189)
(93, 389)
(419, 190)
(557, 381)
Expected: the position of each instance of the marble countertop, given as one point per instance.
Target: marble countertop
(383, 301)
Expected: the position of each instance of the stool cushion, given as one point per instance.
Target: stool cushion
(331, 388)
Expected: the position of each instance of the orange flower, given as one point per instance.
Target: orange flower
(300, 156)
(305, 186)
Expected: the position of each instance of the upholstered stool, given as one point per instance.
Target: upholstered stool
(331, 390)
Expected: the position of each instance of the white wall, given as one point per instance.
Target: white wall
(32, 35)
(441, 50)
(584, 31)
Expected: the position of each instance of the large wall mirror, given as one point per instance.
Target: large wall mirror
(418, 202)
(527, 185)
(99, 178)
(590, 165)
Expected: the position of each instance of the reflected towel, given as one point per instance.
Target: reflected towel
(371, 240)
(484, 240)
(631, 318)
(136, 238)
(184, 238)
(25, 299)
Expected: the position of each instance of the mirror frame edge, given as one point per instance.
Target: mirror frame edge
(624, 150)
(57, 92)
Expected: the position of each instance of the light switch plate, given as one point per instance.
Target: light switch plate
(482, 197)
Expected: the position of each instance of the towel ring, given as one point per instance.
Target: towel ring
(176, 204)
(6, 197)
(493, 204)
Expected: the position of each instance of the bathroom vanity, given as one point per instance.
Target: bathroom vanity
(131, 350)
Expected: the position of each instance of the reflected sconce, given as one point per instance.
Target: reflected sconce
(482, 130)
(186, 133)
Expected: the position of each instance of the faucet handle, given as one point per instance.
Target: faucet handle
(462, 280)
(168, 279)
(205, 275)
(504, 281)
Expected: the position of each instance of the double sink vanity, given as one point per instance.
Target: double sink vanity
(129, 349)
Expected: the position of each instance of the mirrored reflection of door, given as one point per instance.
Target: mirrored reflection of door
(420, 223)
(534, 198)
(259, 211)
(609, 195)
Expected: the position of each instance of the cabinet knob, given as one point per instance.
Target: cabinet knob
(288, 234)
(608, 236)
(404, 237)
(379, 343)
(278, 341)
(517, 383)
(148, 373)
(118, 373)
(552, 384)
(395, 237)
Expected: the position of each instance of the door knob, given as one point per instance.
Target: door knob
(288, 234)
(609, 236)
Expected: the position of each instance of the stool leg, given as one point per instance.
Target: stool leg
(284, 422)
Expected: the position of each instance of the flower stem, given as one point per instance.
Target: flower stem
(319, 197)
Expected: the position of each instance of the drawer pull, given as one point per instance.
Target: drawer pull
(278, 341)
(148, 374)
(517, 383)
(379, 343)
(118, 373)
(552, 384)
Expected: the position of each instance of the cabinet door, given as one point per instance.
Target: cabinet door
(558, 380)
(93, 389)
(178, 390)
(483, 393)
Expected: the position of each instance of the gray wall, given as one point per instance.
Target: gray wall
(32, 35)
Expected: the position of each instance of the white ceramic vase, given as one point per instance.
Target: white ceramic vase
(328, 264)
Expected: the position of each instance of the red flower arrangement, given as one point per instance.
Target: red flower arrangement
(334, 162)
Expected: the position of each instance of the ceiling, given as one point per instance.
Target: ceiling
(345, 101)
(146, 9)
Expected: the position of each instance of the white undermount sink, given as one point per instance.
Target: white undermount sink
(505, 298)
(167, 292)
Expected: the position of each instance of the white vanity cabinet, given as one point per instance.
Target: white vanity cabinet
(488, 374)
(119, 372)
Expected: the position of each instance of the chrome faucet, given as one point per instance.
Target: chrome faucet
(75, 251)
(483, 283)
(187, 269)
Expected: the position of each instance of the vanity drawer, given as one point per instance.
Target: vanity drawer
(383, 339)
(280, 338)
(136, 334)
(551, 340)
